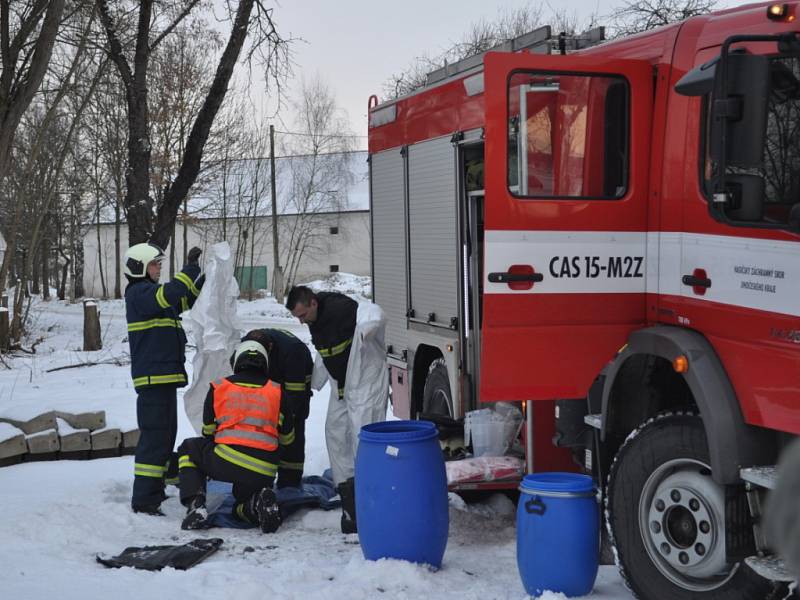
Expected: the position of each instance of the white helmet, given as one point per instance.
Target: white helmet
(252, 354)
(138, 257)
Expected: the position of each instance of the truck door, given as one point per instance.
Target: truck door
(566, 179)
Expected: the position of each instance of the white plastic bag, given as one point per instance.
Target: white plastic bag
(215, 330)
(492, 431)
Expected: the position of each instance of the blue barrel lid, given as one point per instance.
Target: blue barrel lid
(574, 483)
(398, 431)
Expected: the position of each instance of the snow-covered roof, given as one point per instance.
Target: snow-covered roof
(234, 185)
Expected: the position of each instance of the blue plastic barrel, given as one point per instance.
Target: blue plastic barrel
(401, 492)
(558, 539)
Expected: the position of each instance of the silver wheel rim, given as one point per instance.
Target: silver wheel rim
(682, 523)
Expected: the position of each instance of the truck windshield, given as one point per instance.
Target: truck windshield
(568, 135)
(779, 172)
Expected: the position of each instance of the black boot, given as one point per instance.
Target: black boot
(196, 514)
(263, 509)
(347, 492)
(153, 510)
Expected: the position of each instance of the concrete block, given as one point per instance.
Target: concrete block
(73, 440)
(12, 441)
(106, 439)
(14, 446)
(43, 442)
(129, 441)
(39, 423)
(87, 420)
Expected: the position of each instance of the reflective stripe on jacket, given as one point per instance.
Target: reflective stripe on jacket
(246, 415)
(155, 333)
(332, 332)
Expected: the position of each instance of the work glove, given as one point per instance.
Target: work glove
(193, 258)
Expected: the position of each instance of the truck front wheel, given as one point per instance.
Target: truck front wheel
(666, 517)
(436, 396)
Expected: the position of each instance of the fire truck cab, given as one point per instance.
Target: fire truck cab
(612, 237)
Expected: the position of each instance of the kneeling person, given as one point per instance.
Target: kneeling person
(243, 431)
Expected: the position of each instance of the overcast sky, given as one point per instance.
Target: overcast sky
(356, 45)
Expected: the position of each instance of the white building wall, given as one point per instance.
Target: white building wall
(349, 249)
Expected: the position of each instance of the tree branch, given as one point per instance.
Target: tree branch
(174, 24)
(190, 165)
(114, 45)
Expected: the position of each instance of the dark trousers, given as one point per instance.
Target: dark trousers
(157, 416)
(293, 456)
(198, 461)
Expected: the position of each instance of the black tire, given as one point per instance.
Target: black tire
(665, 516)
(436, 396)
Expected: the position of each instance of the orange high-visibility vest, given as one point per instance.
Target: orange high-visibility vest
(247, 416)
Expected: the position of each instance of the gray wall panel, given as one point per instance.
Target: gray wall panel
(432, 230)
(389, 244)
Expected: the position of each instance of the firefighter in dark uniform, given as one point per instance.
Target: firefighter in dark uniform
(245, 428)
(331, 319)
(157, 344)
(291, 365)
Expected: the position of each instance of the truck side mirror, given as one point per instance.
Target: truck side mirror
(739, 110)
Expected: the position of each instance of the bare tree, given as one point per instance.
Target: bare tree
(27, 33)
(483, 35)
(642, 15)
(319, 175)
(41, 157)
(251, 16)
(105, 126)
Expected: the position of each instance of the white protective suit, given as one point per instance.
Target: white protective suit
(215, 330)
(366, 390)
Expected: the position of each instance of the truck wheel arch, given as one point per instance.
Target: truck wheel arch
(424, 356)
(732, 443)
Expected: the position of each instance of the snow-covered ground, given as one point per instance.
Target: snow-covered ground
(56, 516)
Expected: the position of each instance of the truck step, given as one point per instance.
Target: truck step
(770, 567)
(765, 477)
(595, 421)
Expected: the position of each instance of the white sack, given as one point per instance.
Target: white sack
(366, 391)
(215, 328)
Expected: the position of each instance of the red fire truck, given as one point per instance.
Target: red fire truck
(612, 237)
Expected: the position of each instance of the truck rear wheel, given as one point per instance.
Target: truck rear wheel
(436, 396)
(666, 517)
